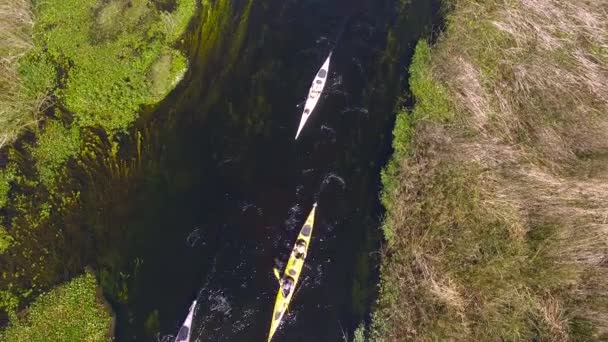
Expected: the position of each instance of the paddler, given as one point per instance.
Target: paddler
(300, 249)
(286, 285)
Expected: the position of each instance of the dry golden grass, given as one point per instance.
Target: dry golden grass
(18, 107)
(498, 218)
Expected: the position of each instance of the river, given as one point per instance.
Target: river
(233, 187)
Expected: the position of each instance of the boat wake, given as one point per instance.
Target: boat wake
(361, 110)
(293, 217)
(332, 177)
(329, 132)
(194, 237)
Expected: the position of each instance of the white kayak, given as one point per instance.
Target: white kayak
(184, 333)
(314, 93)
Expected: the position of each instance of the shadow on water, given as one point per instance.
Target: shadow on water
(231, 187)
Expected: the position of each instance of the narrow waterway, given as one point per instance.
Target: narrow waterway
(234, 187)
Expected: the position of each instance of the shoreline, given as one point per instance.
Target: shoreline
(491, 229)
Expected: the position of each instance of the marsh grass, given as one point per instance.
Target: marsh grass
(496, 197)
(19, 104)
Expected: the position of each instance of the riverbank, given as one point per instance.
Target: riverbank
(496, 194)
(76, 77)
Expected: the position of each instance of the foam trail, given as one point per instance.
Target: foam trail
(327, 179)
(292, 219)
(335, 81)
(362, 110)
(219, 303)
(330, 132)
(165, 338)
(194, 237)
(332, 177)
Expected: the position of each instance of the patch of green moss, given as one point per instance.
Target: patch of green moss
(70, 312)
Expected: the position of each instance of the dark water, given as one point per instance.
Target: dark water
(234, 188)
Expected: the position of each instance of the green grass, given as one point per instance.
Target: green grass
(494, 221)
(432, 104)
(70, 312)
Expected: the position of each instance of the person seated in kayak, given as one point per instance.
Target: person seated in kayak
(316, 90)
(300, 249)
(286, 283)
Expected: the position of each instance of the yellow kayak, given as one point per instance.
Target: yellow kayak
(288, 282)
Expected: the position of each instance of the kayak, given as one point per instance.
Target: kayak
(292, 273)
(314, 93)
(184, 333)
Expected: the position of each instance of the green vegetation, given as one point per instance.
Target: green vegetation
(112, 56)
(56, 144)
(72, 76)
(359, 335)
(68, 185)
(7, 176)
(432, 104)
(19, 103)
(100, 60)
(71, 312)
(495, 223)
(5, 239)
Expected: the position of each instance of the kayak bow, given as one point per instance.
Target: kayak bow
(184, 333)
(292, 272)
(314, 93)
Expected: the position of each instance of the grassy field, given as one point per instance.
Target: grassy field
(497, 193)
(71, 312)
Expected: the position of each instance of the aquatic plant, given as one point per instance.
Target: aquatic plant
(54, 146)
(112, 57)
(5, 239)
(59, 193)
(70, 312)
(48, 177)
